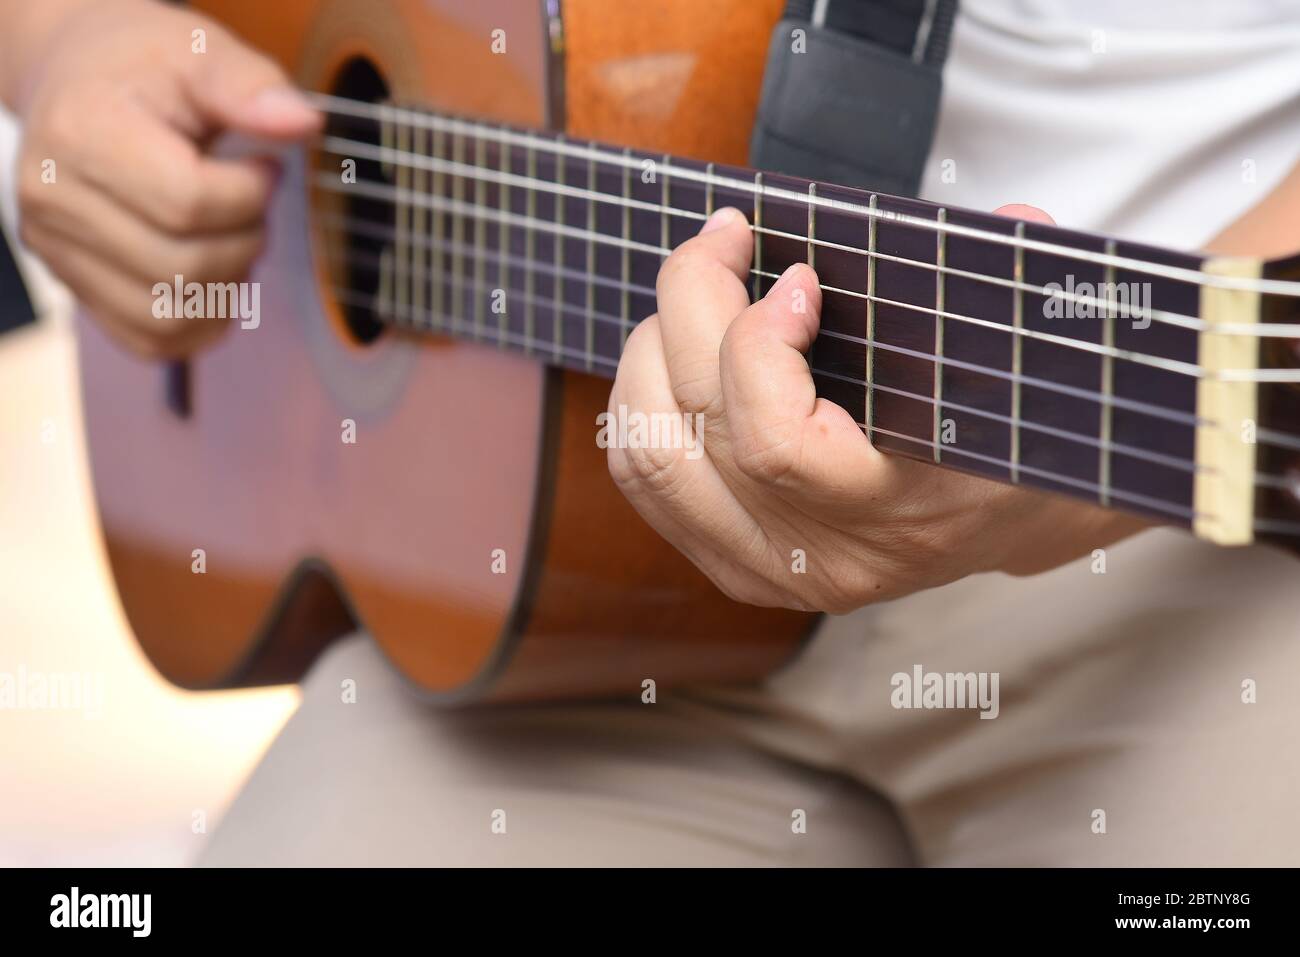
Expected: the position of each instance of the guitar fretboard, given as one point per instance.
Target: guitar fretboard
(1018, 351)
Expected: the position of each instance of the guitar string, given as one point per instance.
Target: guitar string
(486, 334)
(537, 346)
(527, 343)
(1134, 405)
(406, 196)
(1164, 506)
(1269, 438)
(1271, 286)
(346, 148)
(340, 106)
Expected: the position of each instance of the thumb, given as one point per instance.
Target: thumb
(240, 89)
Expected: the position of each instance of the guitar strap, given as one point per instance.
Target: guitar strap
(15, 305)
(851, 91)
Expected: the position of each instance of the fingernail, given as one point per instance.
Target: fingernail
(721, 217)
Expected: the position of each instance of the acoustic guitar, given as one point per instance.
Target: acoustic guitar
(406, 441)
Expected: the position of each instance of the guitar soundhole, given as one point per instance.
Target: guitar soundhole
(356, 228)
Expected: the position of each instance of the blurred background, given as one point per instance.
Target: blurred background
(142, 775)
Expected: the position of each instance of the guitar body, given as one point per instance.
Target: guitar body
(471, 526)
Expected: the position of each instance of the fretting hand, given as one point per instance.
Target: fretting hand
(790, 504)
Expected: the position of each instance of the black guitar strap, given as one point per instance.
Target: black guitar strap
(851, 91)
(15, 306)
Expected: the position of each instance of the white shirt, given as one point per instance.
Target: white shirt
(1154, 120)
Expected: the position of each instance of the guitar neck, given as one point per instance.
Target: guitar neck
(1018, 351)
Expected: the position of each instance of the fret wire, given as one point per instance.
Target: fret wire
(1107, 384)
(458, 236)
(382, 304)
(338, 105)
(401, 253)
(812, 226)
(871, 322)
(437, 293)
(1017, 323)
(325, 181)
(708, 192)
(1156, 315)
(940, 253)
(530, 253)
(591, 268)
(480, 238)
(384, 293)
(625, 261)
(503, 237)
(663, 205)
(419, 216)
(758, 247)
(557, 285)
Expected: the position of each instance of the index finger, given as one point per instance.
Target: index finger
(160, 175)
(701, 289)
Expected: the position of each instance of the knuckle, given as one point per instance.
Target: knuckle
(654, 469)
(769, 457)
(696, 391)
(183, 210)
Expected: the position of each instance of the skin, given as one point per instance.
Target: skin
(111, 90)
(785, 470)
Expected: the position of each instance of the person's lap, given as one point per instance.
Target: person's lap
(388, 781)
(1119, 692)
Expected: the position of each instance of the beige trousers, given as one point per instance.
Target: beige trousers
(1146, 714)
